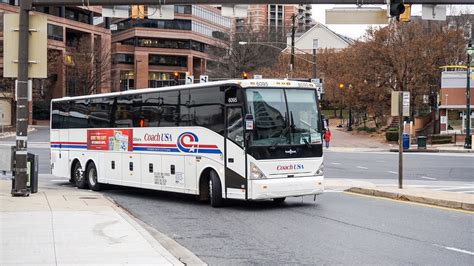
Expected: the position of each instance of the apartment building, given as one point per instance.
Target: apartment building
(68, 27)
(278, 17)
(147, 52)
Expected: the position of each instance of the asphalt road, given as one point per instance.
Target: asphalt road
(339, 228)
(384, 165)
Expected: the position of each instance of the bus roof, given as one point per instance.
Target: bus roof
(244, 83)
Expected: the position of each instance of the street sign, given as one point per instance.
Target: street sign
(30, 90)
(317, 81)
(161, 12)
(405, 103)
(37, 48)
(433, 12)
(257, 76)
(358, 15)
(189, 79)
(115, 11)
(203, 79)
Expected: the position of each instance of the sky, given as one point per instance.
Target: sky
(357, 31)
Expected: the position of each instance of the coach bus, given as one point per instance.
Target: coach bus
(235, 139)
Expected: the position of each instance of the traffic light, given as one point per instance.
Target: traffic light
(138, 12)
(176, 78)
(406, 15)
(396, 8)
(245, 75)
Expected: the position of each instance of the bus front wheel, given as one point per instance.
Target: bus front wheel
(91, 174)
(215, 190)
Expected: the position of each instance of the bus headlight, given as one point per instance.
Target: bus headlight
(320, 170)
(255, 172)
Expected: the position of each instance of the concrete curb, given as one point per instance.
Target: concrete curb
(413, 198)
(434, 151)
(182, 254)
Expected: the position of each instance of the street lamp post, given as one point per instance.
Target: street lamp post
(470, 50)
(272, 44)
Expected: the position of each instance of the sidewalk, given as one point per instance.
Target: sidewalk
(68, 226)
(344, 141)
(419, 195)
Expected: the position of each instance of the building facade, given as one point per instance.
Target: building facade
(68, 28)
(278, 17)
(452, 109)
(147, 52)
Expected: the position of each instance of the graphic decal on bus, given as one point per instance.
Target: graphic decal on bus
(122, 140)
(110, 139)
(189, 142)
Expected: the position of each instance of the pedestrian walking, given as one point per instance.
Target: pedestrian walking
(327, 138)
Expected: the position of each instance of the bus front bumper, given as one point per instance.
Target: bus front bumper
(286, 187)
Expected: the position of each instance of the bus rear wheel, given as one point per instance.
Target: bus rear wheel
(91, 174)
(78, 173)
(215, 190)
(279, 201)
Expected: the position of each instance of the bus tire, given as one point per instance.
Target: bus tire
(215, 190)
(92, 177)
(79, 179)
(279, 201)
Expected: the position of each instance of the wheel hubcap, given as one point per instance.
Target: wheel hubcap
(78, 174)
(92, 176)
(210, 189)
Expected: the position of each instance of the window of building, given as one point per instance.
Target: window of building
(127, 80)
(123, 59)
(182, 9)
(77, 15)
(55, 32)
(177, 24)
(167, 60)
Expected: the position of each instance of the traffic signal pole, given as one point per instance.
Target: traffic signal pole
(22, 113)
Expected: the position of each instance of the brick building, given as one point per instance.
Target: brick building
(151, 50)
(278, 17)
(67, 26)
(453, 101)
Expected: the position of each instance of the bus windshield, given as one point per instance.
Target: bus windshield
(283, 117)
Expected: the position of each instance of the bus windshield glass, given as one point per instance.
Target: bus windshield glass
(283, 117)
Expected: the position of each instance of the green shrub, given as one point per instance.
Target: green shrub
(391, 134)
(41, 110)
(367, 129)
(441, 139)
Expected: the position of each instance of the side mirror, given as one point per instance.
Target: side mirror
(249, 123)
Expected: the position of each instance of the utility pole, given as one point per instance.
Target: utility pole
(467, 141)
(400, 140)
(293, 31)
(22, 113)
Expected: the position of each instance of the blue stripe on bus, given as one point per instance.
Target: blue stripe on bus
(155, 149)
(209, 151)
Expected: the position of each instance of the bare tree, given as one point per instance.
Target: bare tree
(87, 68)
(229, 58)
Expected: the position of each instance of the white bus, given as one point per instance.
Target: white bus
(235, 139)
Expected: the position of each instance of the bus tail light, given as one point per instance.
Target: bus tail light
(255, 172)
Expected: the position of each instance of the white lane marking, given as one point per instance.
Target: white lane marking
(460, 250)
(59, 180)
(392, 172)
(333, 191)
(362, 167)
(469, 191)
(452, 188)
(427, 177)
(336, 163)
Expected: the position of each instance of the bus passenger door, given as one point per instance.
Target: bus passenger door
(235, 179)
